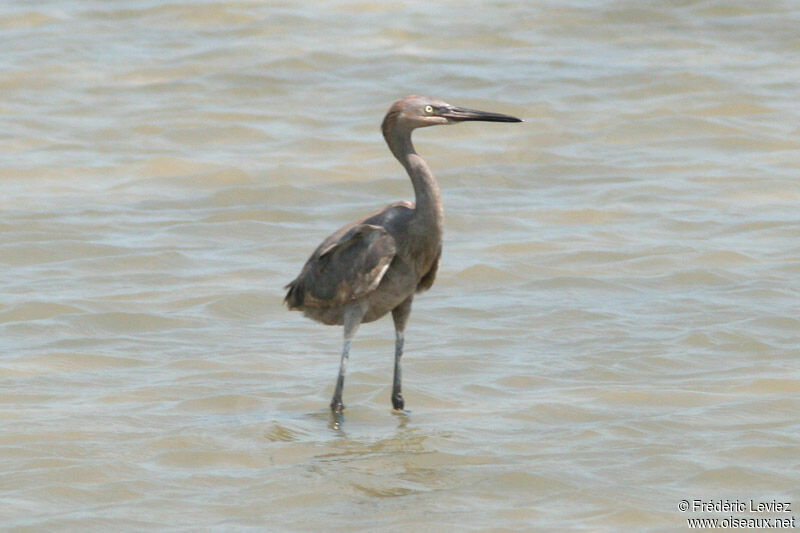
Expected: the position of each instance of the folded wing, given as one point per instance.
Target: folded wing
(343, 269)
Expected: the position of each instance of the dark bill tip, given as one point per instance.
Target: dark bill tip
(462, 114)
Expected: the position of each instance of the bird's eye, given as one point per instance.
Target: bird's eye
(429, 109)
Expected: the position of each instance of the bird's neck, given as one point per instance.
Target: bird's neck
(429, 212)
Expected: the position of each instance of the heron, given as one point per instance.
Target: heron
(377, 264)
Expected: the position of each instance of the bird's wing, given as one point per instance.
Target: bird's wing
(427, 280)
(348, 267)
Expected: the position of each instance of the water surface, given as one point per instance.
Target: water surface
(615, 325)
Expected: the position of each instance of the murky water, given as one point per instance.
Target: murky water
(616, 322)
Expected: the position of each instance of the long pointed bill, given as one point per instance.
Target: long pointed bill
(462, 114)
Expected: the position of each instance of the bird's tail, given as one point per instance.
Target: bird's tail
(294, 295)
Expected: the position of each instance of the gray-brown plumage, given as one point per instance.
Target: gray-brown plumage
(376, 265)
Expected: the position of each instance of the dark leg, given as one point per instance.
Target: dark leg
(352, 318)
(400, 316)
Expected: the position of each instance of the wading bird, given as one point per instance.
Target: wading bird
(375, 265)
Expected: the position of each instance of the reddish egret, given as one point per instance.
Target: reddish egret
(376, 264)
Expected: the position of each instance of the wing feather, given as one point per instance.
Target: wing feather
(427, 280)
(345, 269)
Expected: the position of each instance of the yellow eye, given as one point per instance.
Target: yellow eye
(429, 109)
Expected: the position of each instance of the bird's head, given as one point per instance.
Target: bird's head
(420, 111)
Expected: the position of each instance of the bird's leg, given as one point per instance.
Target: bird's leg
(336, 402)
(400, 316)
(397, 393)
(353, 314)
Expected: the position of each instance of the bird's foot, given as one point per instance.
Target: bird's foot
(337, 407)
(337, 420)
(337, 414)
(397, 402)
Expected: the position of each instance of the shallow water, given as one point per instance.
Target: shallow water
(616, 322)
